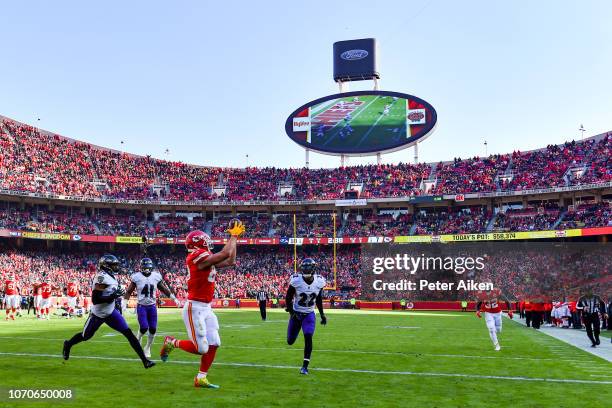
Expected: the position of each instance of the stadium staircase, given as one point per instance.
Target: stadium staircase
(506, 175)
(491, 223)
(208, 227)
(432, 172)
(413, 228)
(340, 231)
(559, 220)
(96, 228)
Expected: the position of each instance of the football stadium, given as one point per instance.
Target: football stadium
(155, 253)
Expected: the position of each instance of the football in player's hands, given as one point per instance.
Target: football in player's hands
(323, 320)
(236, 227)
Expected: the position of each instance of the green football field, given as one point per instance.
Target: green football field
(361, 359)
(371, 128)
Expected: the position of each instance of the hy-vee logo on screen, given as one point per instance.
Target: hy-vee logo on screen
(352, 55)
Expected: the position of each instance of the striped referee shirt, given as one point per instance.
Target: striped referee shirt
(262, 296)
(591, 304)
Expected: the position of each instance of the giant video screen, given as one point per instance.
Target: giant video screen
(360, 123)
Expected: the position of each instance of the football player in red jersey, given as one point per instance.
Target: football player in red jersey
(200, 321)
(12, 297)
(45, 293)
(490, 305)
(72, 292)
(37, 297)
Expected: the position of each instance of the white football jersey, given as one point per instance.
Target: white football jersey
(146, 287)
(104, 309)
(306, 294)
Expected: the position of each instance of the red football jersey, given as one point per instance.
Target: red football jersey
(73, 289)
(10, 288)
(201, 282)
(45, 290)
(491, 306)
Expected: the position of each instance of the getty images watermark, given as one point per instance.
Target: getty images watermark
(410, 265)
(458, 271)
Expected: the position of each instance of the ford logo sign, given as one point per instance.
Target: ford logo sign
(352, 55)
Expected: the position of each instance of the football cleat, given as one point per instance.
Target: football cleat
(497, 347)
(66, 350)
(148, 363)
(203, 382)
(304, 371)
(167, 347)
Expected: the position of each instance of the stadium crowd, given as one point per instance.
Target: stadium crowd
(37, 161)
(442, 220)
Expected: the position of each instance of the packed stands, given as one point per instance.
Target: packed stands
(453, 221)
(315, 224)
(371, 224)
(307, 225)
(588, 215)
(527, 219)
(38, 161)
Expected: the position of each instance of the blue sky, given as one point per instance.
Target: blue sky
(215, 81)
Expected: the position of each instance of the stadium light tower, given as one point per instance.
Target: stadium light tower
(582, 130)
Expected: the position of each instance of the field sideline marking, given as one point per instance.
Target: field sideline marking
(336, 370)
(383, 353)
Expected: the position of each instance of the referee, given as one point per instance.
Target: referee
(262, 298)
(591, 305)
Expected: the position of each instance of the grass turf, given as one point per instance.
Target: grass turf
(405, 356)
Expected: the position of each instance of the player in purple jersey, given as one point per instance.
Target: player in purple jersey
(304, 291)
(104, 292)
(145, 283)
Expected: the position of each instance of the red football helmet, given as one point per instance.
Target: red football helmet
(198, 240)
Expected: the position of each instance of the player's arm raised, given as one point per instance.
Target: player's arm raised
(227, 256)
(231, 259)
(319, 302)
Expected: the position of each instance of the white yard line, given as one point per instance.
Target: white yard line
(336, 370)
(381, 353)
